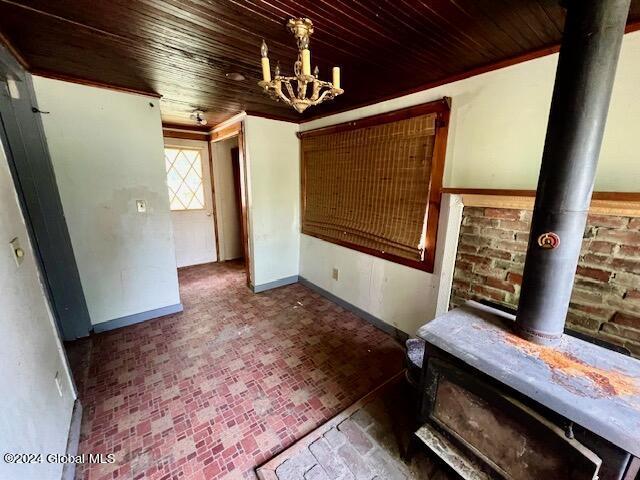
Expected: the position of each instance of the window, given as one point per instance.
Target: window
(184, 178)
(374, 185)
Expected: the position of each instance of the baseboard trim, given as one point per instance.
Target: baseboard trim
(275, 284)
(137, 318)
(372, 319)
(73, 441)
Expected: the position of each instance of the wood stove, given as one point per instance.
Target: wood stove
(497, 406)
(512, 397)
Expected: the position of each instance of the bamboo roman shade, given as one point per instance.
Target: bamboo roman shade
(369, 187)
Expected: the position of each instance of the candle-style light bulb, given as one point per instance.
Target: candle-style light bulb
(266, 70)
(316, 72)
(336, 77)
(306, 56)
(277, 70)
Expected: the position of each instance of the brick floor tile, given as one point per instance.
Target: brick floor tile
(356, 436)
(220, 388)
(330, 462)
(355, 462)
(335, 438)
(316, 473)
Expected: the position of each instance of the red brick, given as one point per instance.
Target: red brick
(626, 320)
(498, 233)
(475, 240)
(583, 296)
(634, 223)
(629, 251)
(469, 229)
(493, 253)
(502, 213)
(593, 259)
(625, 265)
(512, 246)
(500, 285)
(583, 322)
(514, 278)
(621, 331)
(609, 221)
(633, 295)
(488, 293)
(601, 275)
(466, 266)
(596, 246)
(516, 225)
(626, 237)
(522, 237)
(463, 247)
(601, 313)
(474, 211)
(475, 259)
(480, 221)
(493, 272)
(461, 285)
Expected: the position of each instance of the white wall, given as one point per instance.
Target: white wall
(400, 296)
(229, 233)
(194, 231)
(107, 151)
(35, 416)
(496, 136)
(273, 175)
(499, 120)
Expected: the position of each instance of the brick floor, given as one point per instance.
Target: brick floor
(363, 443)
(222, 387)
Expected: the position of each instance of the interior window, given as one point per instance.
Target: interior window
(184, 178)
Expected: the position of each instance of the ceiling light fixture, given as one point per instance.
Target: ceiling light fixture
(198, 116)
(302, 28)
(238, 77)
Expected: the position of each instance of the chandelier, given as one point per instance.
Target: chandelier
(309, 89)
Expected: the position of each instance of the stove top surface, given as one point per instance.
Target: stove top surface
(594, 387)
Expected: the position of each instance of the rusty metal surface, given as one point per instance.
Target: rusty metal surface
(514, 441)
(592, 386)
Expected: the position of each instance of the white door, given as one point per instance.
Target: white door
(190, 196)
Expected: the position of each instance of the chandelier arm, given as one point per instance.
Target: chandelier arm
(322, 97)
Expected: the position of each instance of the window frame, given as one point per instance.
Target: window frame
(442, 109)
(201, 151)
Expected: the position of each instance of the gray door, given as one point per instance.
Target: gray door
(23, 138)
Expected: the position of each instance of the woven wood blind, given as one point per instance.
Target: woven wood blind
(369, 187)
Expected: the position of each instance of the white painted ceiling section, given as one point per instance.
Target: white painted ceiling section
(36, 410)
(107, 152)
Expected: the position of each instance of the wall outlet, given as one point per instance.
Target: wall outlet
(17, 251)
(334, 274)
(141, 206)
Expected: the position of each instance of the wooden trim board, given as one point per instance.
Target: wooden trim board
(626, 204)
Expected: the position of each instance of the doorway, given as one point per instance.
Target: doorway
(191, 201)
(207, 195)
(226, 166)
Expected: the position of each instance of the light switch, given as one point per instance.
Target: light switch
(334, 274)
(17, 251)
(141, 205)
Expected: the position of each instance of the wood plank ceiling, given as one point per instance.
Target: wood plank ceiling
(182, 49)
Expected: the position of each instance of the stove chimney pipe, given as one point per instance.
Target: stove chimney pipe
(584, 79)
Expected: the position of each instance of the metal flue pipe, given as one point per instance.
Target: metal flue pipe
(584, 80)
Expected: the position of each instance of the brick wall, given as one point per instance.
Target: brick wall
(606, 296)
